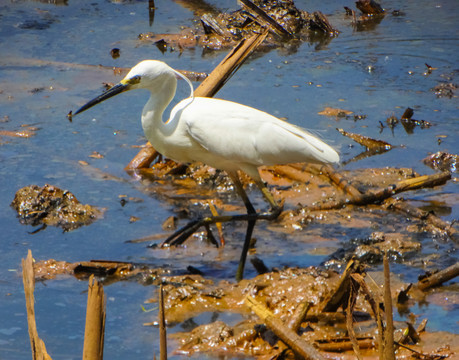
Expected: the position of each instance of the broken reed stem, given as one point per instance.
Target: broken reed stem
(381, 329)
(354, 291)
(439, 277)
(288, 336)
(93, 348)
(387, 192)
(221, 74)
(263, 17)
(297, 172)
(326, 317)
(389, 349)
(408, 184)
(298, 316)
(341, 346)
(162, 326)
(377, 312)
(369, 297)
(37, 345)
(341, 293)
(143, 159)
(383, 194)
(214, 212)
(339, 180)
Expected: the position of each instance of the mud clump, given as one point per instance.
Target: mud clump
(49, 205)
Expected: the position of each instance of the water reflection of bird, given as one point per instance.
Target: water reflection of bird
(223, 134)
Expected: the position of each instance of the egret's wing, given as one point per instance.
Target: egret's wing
(243, 134)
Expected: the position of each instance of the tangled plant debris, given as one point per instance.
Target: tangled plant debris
(217, 30)
(49, 205)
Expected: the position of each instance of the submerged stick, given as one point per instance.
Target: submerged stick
(38, 346)
(426, 216)
(288, 336)
(439, 277)
(93, 348)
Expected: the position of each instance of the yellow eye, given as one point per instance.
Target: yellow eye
(132, 81)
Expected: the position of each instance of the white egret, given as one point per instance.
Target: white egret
(223, 134)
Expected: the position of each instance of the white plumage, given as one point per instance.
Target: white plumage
(220, 133)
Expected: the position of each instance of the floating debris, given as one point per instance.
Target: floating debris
(372, 14)
(49, 205)
(96, 155)
(369, 143)
(19, 133)
(429, 69)
(369, 7)
(371, 250)
(224, 30)
(445, 90)
(108, 270)
(442, 161)
(115, 53)
(409, 123)
(329, 111)
(392, 121)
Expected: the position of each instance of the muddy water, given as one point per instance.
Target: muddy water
(377, 72)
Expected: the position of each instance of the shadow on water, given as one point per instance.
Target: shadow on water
(52, 67)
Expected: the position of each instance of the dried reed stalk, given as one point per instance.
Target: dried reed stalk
(288, 336)
(93, 348)
(38, 346)
(162, 326)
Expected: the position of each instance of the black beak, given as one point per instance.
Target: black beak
(115, 90)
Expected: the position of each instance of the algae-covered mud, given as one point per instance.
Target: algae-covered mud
(376, 80)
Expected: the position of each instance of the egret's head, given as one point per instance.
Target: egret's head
(148, 74)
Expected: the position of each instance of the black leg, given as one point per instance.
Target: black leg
(180, 236)
(245, 250)
(250, 226)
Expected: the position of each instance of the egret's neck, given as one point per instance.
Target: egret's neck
(160, 98)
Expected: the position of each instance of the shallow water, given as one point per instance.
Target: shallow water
(378, 72)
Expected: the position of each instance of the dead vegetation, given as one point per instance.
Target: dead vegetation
(309, 312)
(49, 205)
